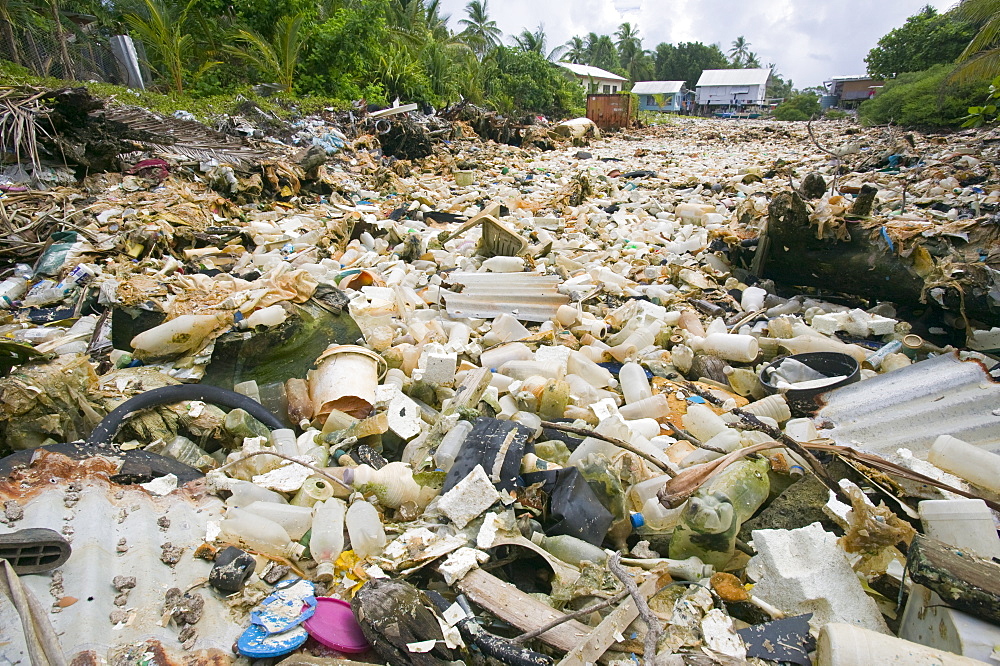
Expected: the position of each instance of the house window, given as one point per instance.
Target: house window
(650, 100)
(607, 89)
(614, 89)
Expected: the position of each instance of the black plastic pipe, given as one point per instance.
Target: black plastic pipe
(165, 395)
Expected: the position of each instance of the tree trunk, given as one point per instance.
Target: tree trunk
(865, 264)
(67, 62)
(11, 38)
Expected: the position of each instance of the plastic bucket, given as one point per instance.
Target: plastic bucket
(831, 364)
(345, 378)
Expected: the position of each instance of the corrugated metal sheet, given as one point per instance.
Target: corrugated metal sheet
(101, 520)
(912, 406)
(733, 77)
(611, 111)
(527, 296)
(657, 87)
(593, 72)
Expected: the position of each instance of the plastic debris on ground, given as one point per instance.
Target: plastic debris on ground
(447, 389)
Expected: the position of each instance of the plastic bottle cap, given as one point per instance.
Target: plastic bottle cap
(638, 520)
(537, 538)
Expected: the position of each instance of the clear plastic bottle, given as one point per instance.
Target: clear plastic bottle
(713, 516)
(295, 519)
(14, 287)
(315, 489)
(327, 540)
(451, 443)
(252, 532)
(364, 526)
(570, 549)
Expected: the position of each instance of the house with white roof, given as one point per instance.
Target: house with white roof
(595, 79)
(661, 95)
(738, 88)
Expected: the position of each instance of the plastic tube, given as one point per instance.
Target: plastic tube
(165, 395)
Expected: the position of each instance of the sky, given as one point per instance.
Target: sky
(809, 41)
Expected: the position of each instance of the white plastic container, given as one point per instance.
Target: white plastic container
(635, 385)
(345, 378)
(179, 335)
(327, 540)
(773, 406)
(977, 466)
(702, 422)
(579, 364)
(752, 299)
(729, 346)
(846, 645)
(295, 519)
(252, 532)
(245, 493)
(392, 484)
(963, 523)
(653, 407)
(364, 526)
(515, 351)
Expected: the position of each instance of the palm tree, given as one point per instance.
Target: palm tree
(278, 59)
(981, 58)
(576, 51)
(162, 28)
(631, 55)
(535, 41)
(481, 32)
(601, 51)
(752, 61)
(740, 50)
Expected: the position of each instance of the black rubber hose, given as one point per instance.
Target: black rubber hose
(165, 395)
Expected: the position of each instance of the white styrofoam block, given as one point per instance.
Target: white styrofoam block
(468, 498)
(881, 325)
(805, 571)
(440, 368)
(828, 324)
(554, 354)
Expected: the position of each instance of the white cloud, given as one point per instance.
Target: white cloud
(808, 41)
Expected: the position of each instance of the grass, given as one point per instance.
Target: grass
(204, 108)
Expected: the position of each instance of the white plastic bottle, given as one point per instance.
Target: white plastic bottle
(175, 336)
(653, 407)
(977, 466)
(246, 530)
(295, 519)
(327, 540)
(635, 385)
(245, 493)
(364, 526)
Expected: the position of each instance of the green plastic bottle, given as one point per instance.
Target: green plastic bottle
(713, 516)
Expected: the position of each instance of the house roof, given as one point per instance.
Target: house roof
(733, 77)
(657, 87)
(593, 72)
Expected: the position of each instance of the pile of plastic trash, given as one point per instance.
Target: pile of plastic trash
(540, 416)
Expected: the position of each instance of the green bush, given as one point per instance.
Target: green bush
(797, 107)
(835, 114)
(526, 81)
(922, 99)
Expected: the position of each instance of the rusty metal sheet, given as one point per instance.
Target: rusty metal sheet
(612, 111)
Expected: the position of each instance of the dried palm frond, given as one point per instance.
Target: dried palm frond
(20, 113)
